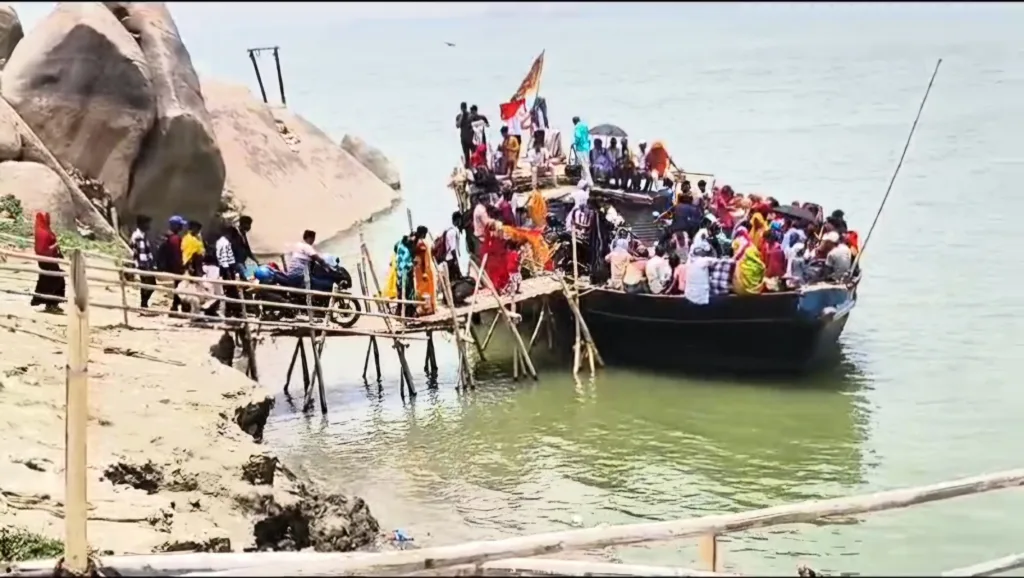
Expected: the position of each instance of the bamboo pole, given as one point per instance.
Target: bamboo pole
(316, 352)
(490, 331)
(575, 279)
(508, 320)
(460, 344)
(601, 537)
(76, 541)
(540, 321)
(555, 567)
(573, 304)
(399, 346)
(124, 298)
(990, 567)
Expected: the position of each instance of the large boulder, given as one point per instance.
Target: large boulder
(10, 31)
(374, 160)
(179, 169)
(40, 189)
(81, 82)
(287, 174)
(10, 139)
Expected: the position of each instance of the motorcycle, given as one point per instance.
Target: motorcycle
(330, 279)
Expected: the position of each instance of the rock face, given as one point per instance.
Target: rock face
(179, 169)
(374, 160)
(32, 149)
(39, 189)
(10, 140)
(10, 31)
(81, 82)
(304, 182)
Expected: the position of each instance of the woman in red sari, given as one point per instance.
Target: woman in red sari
(49, 288)
(494, 247)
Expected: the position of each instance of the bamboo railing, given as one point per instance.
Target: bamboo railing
(122, 274)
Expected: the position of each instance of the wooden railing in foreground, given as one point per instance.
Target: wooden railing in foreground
(515, 555)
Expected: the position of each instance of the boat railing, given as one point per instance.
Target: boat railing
(518, 555)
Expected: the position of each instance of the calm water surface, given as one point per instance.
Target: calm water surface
(801, 102)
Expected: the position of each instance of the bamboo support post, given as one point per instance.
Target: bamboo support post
(76, 541)
(399, 346)
(575, 280)
(466, 372)
(508, 320)
(583, 324)
(394, 563)
(372, 345)
(319, 376)
(540, 322)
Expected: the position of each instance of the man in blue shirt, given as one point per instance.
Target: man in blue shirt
(581, 142)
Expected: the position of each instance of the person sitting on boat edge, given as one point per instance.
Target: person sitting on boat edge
(634, 281)
(678, 283)
(838, 257)
(698, 285)
(658, 272)
(618, 260)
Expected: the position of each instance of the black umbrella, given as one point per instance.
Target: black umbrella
(609, 130)
(795, 212)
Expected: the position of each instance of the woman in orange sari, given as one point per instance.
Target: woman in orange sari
(423, 274)
(657, 162)
(49, 288)
(537, 209)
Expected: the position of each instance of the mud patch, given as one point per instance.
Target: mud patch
(327, 523)
(208, 545)
(147, 477)
(259, 470)
(252, 417)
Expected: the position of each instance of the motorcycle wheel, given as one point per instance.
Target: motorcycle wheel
(345, 312)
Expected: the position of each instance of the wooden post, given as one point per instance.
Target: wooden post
(319, 376)
(540, 322)
(399, 346)
(76, 541)
(372, 346)
(709, 555)
(291, 366)
(115, 222)
(575, 280)
(508, 320)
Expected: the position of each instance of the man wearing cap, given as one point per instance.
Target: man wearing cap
(838, 257)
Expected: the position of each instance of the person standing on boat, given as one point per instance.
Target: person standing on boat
(465, 126)
(537, 158)
(697, 287)
(539, 121)
(479, 123)
(581, 144)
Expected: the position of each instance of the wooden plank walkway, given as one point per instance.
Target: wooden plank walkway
(484, 301)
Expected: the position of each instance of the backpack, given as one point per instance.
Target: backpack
(440, 248)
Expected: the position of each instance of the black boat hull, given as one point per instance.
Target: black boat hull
(773, 332)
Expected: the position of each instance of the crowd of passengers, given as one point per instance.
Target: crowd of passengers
(714, 244)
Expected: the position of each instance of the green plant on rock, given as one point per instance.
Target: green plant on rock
(17, 544)
(11, 207)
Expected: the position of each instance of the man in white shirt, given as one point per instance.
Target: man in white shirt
(451, 247)
(299, 259)
(658, 271)
(538, 161)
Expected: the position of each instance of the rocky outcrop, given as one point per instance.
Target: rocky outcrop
(81, 82)
(179, 169)
(374, 160)
(308, 183)
(40, 189)
(10, 31)
(75, 203)
(10, 139)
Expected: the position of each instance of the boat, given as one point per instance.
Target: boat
(791, 331)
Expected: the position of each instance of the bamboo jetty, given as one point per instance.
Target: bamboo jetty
(311, 330)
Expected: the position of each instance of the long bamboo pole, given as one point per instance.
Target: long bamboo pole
(76, 541)
(549, 543)
(508, 320)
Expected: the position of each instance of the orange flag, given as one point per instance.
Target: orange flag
(532, 81)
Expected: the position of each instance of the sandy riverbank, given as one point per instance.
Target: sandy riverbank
(169, 465)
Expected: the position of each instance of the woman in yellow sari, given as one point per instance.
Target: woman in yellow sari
(749, 276)
(537, 209)
(423, 273)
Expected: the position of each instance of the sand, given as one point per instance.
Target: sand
(156, 397)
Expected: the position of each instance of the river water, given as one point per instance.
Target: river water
(808, 102)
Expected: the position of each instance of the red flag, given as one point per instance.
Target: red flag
(510, 109)
(532, 81)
